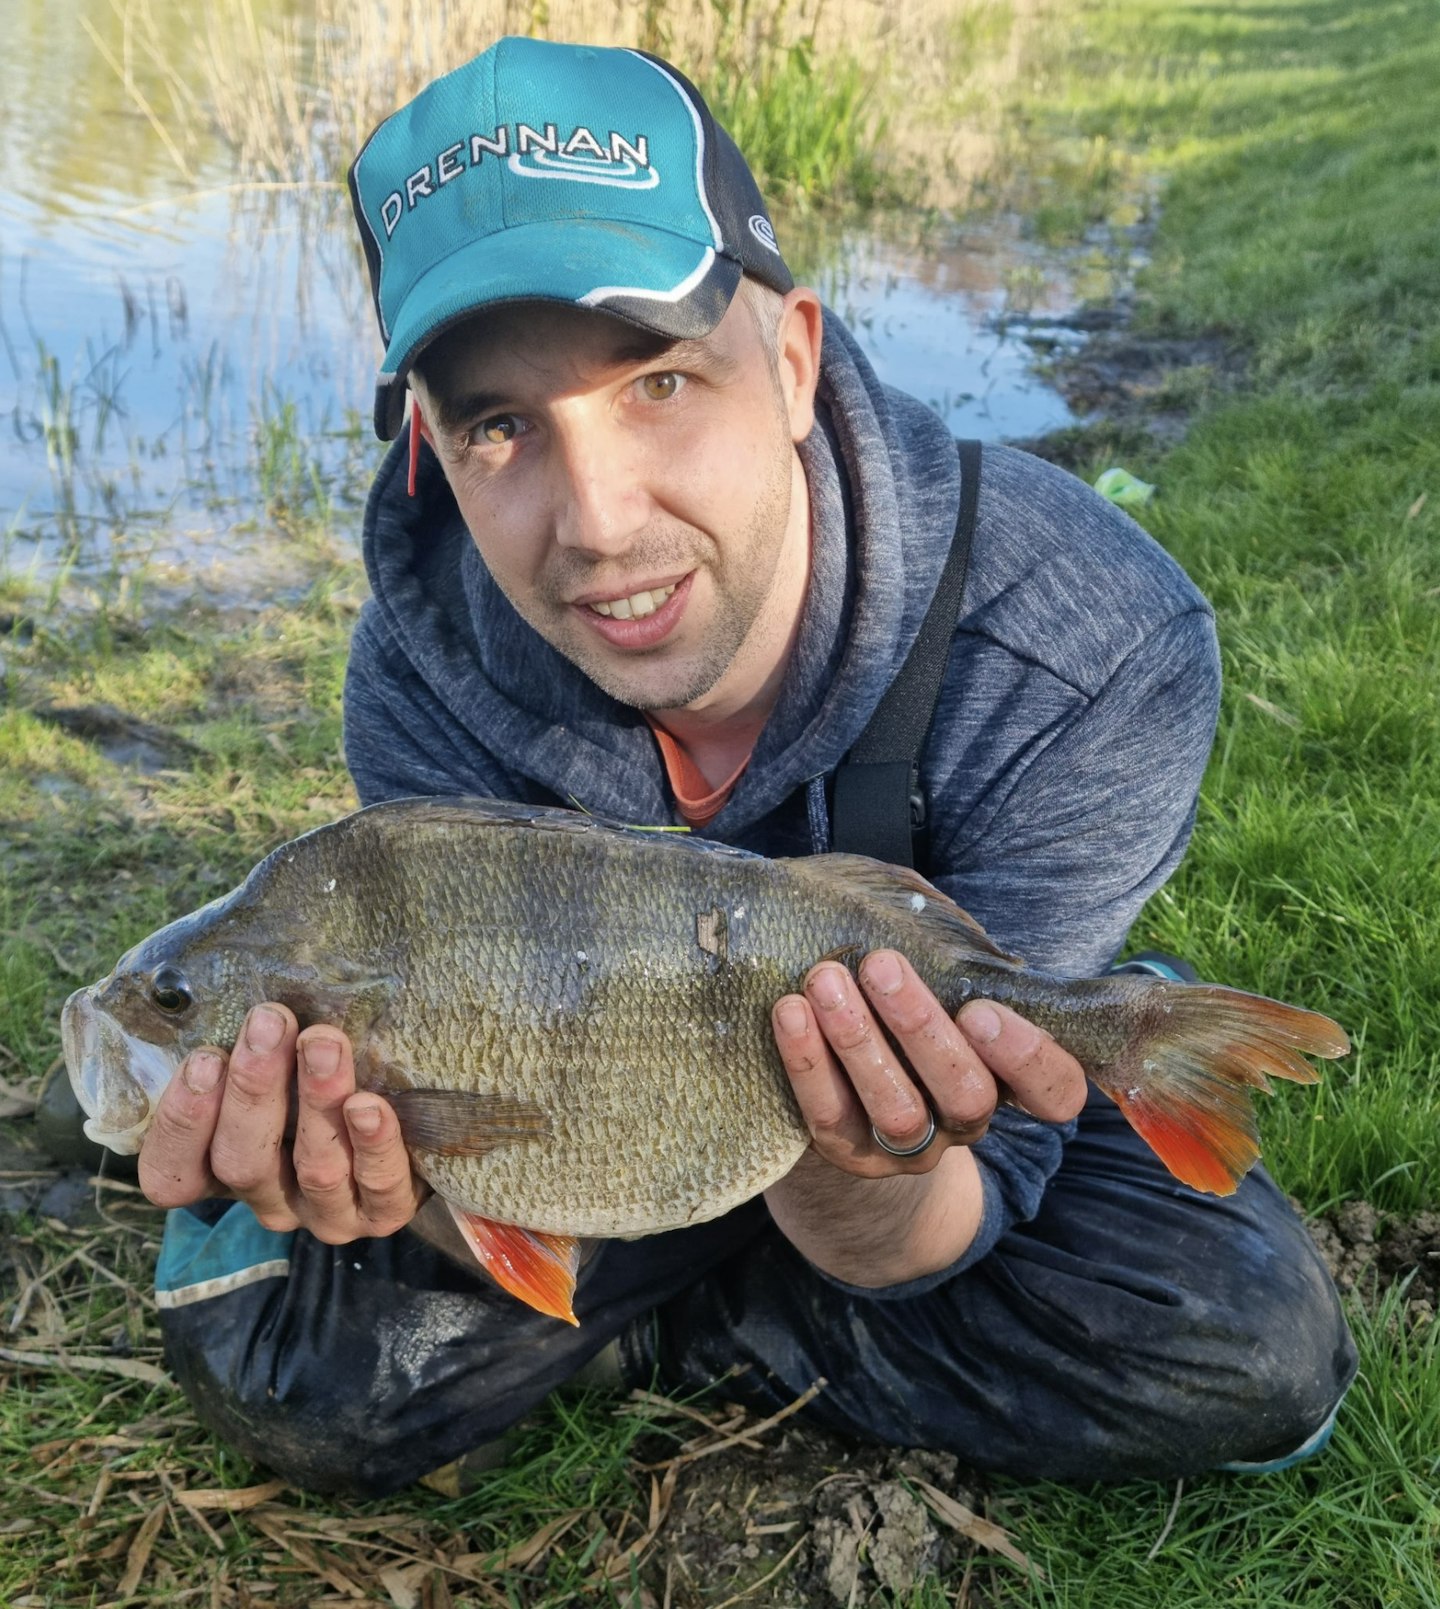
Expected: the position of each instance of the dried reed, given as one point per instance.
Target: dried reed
(812, 89)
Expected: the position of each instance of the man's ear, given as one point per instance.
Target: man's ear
(799, 336)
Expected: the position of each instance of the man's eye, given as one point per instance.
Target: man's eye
(660, 387)
(499, 430)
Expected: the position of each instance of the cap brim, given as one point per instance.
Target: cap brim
(651, 278)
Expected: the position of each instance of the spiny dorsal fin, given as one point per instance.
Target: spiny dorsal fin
(465, 812)
(901, 889)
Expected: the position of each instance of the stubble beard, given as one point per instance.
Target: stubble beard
(742, 579)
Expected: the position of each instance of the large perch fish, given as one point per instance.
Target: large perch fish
(572, 1020)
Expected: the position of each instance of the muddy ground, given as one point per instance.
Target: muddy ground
(1134, 393)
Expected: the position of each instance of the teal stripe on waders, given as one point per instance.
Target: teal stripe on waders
(199, 1260)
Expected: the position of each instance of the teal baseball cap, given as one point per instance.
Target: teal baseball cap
(553, 172)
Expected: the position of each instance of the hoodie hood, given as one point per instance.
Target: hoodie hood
(883, 481)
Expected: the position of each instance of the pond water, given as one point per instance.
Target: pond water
(181, 352)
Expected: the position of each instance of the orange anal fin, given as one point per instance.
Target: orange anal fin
(538, 1268)
(1208, 1150)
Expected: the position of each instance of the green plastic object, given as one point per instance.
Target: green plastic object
(1124, 489)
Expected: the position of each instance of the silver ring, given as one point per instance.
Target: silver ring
(909, 1150)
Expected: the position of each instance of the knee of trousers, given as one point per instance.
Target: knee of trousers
(342, 1369)
(1246, 1377)
(1294, 1360)
(310, 1416)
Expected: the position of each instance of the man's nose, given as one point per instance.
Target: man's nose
(600, 495)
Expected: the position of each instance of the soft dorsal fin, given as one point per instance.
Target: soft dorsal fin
(903, 891)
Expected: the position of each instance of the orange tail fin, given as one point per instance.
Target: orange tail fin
(540, 1269)
(1184, 1085)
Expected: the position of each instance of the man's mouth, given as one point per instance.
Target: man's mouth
(640, 620)
(634, 607)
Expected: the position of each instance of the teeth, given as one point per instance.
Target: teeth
(636, 606)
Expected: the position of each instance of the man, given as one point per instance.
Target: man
(668, 543)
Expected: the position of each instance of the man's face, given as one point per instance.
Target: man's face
(639, 502)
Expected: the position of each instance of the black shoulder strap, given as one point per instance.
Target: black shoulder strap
(878, 807)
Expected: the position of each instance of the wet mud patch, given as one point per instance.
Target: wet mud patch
(124, 739)
(1368, 1253)
(1135, 393)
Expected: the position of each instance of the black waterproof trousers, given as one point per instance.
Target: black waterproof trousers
(1134, 1328)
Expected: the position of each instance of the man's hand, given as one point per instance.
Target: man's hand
(919, 1212)
(846, 1076)
(220, 1130)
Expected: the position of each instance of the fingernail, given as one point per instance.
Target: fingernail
(882, 973)
(201, 1072)
(825, 988)
(792, 1017)
(364, 1120)
(981, 1022)
(322, 1057)
(265, 1029)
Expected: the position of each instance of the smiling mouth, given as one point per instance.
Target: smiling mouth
(636, 606)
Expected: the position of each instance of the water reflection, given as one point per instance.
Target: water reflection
(948, 319)
(186, 354)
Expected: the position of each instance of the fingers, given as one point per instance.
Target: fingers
(324, 1198)
(959, 1086)
(175, 1155)
(248, 1151)
(1041, 1077)
(828, 1102)
(848, 1077)
(892, 1056)
(352, 1172)
(220, 1130)
(387, 1191)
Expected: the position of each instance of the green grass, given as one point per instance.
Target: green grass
(811, 131)
(1297, 157)
(1294, 147)
(1359, 1528)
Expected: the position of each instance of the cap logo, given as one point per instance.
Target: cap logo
(582, 158)
(763, 231)
(532, 154)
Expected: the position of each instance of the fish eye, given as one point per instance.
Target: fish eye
(169, 990)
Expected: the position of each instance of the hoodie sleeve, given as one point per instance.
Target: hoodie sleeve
(399, 740)
(1090, 820)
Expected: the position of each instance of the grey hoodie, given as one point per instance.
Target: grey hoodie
(1067, 748)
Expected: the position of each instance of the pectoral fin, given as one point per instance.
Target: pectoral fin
(540, 1269)
(453, 1122)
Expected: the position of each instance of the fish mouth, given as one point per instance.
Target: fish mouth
(116, 1077)
(126, 1144)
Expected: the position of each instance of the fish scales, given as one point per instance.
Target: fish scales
(586, 990)
(566, 968)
